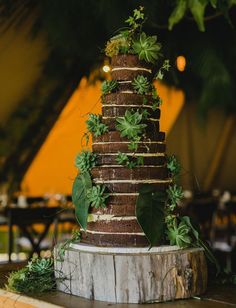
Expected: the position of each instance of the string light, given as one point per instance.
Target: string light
(106, 68)
(181, 63)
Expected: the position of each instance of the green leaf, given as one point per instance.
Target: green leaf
(197, 8)
(150, 214)
(80, 189)
(177, 14)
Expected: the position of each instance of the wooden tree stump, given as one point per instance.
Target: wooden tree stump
(131, 275)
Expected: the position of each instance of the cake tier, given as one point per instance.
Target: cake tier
(114, 147)
(127, 67)
(148, 158)
(114, 136)
(126, 99)
(123, 173)
(119, 111)
(114, 239)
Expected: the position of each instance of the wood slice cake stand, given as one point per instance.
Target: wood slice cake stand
(131, 275)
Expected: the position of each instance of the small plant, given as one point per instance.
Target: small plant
(173, 165)
(85, 160)
(135, 22)
(76, 237)
(141, 85)
(131, 125)
(37, 277)
(108, 86)
(156, 100)
(179, 234)
(175, 193)
(117, 44)
(165, 67)
(129, 162)
(147, 48)
(97, 196)
(95, 125)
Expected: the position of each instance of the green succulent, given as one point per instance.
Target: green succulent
(175, 194)
(108, 86)
(179, 234)
(129, 162)
(131, 125)
(173, 165)
(141, 85)
(97, 196)
(147, 48)
(85, 160)
(95, 125)
(40, 266)
(117, 44)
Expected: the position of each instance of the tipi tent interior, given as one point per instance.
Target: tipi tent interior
(50, 79)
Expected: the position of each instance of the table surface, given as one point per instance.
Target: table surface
(217, 296)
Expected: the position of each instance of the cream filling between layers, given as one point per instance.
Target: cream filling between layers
(127, 142)
(118, 233)
(121, 166)
(140, 154)
(131, 69)
(108, 218)
(150, 119)
(132, 181)
(138, 106)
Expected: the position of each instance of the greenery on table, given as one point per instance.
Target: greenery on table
(37, 277)
(141, 85)
(95, 125)
(85, 160)
(109, 86)
(97, 196)
(129, 161)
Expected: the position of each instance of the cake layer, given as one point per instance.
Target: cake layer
(129, 224)
(122, 173)
(111, 209)
(114, 147)
(126, 99)
(132, 186)
(129, 60)
(115, 111)
(110, 159)
(129, 73)
(152, 124)
(114, 239)
(114, 136)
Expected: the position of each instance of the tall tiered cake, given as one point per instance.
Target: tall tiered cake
(133, 246)
(116, 224)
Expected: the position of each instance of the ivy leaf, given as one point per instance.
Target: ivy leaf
(150, 213)
(197, 8)
(80, 189)
(177, 14)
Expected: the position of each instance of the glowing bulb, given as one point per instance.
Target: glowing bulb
(106, 68)
(181, 63)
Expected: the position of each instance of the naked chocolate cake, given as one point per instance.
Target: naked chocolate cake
(116, 224)
(128, 148)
